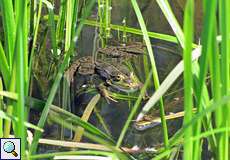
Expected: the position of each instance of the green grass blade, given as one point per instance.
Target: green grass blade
(153, 65)
(209, 19)
(25, 48)
(45, 111)
(207, 39)
(210, 133)
(34, 38)
(133, 111)
(9, 29)
(166, 9)
(61, 21)
(159, 36)
(91, 136)
(204, 102)
(75, 120)
(108, 9)
(4, 67)
(9, 110)
(224, 17)
(75, 17)
(55, 85)
(188, 80)
(52, 29)
(210, 108)
(39, 105)
(4, 115)
(69, 21)
(10, 95)
(166, 84)
(20, 70)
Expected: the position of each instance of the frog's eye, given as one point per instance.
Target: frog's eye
(119, 77)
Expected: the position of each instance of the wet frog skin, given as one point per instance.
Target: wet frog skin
(116, 77)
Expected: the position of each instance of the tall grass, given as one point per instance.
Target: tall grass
(188, 84)
(69, 43)
(21, 21)
(210, 50)
(217, 56)
(153, 65)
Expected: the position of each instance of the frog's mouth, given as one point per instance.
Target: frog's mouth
(123, 87)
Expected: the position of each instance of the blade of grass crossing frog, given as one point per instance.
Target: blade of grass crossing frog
(133, 111)
(153, 65)
(85, 117)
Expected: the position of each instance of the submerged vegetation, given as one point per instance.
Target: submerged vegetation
(66, 64)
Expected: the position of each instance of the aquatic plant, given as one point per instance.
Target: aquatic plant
(22, 25)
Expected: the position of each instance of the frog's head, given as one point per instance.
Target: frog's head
(125, 82)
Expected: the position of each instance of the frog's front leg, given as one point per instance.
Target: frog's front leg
(69, 73)
(102, 89)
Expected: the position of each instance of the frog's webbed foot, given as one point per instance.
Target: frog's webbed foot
(105, 93)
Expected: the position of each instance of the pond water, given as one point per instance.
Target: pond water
(166, 55)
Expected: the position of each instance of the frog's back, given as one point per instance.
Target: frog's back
(82, 66)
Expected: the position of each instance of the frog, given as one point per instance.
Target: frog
(149, 121)
(111, 76)
(124, 51)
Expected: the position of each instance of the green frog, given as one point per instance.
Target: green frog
(116, 77)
